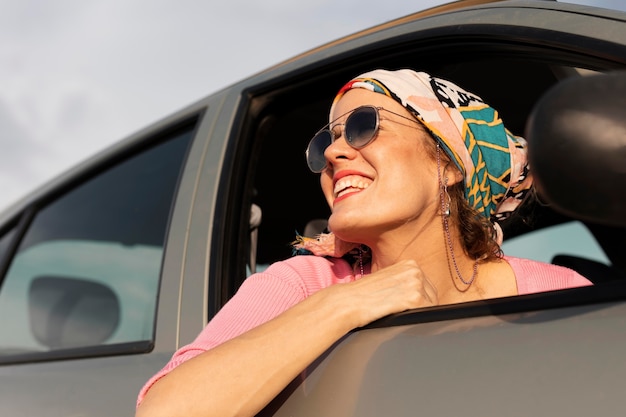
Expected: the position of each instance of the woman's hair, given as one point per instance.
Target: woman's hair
(476, 231)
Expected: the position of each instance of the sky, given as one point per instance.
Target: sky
(77, 76)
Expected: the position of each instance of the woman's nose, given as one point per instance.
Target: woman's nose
(339, 149)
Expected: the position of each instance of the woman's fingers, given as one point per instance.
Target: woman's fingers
(421, 292)
(397, 288)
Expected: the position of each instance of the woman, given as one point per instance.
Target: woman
(414, 169)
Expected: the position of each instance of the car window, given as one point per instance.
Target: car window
(277, 180)
(571, 238)
(86, 271)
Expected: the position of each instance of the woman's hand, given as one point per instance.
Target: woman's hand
(399, 287)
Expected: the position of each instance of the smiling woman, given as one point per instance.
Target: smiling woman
(417, 172)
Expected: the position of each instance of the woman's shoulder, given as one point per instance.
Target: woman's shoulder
(535, 276)
(314, 272)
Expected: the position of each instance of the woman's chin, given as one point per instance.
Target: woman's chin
(348, 231)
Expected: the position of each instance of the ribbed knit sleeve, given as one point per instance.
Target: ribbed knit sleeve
(260, 298)
(534, 276)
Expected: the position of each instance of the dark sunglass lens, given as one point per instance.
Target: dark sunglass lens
(315, 151)
(361, 126)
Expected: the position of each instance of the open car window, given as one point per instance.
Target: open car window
(278, 182)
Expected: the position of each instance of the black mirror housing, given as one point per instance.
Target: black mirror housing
(577, 147)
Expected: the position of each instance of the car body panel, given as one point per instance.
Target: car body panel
(549, 362)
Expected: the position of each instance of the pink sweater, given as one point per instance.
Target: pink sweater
(265, 295)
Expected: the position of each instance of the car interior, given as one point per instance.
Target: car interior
(286, 197)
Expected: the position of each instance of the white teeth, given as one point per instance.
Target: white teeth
(350, 184)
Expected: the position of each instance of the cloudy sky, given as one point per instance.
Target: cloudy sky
(78, 75)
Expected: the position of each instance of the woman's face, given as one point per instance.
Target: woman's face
(390, 184)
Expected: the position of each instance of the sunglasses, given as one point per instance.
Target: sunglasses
(360, 128)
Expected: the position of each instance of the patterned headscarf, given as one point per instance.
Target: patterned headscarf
(471, 133)
(492, 160)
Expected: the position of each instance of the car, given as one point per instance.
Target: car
(109, 268)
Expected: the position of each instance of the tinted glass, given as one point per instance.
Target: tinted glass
(87, 270)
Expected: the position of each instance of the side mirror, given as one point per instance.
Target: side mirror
(70, 312)
(577, 147)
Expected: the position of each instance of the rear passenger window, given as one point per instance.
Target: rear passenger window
(86, 272)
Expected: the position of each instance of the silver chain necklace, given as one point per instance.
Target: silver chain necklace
(444, 215)
(361, 262)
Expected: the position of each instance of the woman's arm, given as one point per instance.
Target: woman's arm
(240, 376)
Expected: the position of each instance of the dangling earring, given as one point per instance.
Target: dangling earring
(447, 199)
(445, 214)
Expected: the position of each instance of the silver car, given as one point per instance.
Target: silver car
(108, 269)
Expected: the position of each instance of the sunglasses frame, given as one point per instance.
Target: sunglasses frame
(349, 140)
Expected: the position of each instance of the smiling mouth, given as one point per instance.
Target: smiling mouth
(350, 184)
